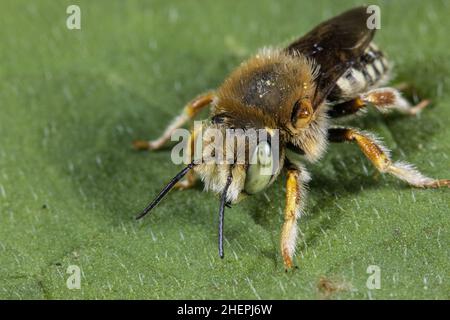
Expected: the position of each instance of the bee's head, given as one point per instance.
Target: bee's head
(252, 157)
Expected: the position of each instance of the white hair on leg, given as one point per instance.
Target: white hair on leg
(408, 172)
(291, 241)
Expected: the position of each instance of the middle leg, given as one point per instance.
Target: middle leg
(380, 157)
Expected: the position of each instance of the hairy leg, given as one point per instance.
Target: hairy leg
(380, 157)
(191, 177)
(189, 112)
(295, 199)
(383, 99)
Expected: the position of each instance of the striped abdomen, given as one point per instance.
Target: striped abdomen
(370, 71)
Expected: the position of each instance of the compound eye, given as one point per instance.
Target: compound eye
(259, 171)
(301, 113)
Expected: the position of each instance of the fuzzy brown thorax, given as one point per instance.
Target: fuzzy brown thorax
(264, 91)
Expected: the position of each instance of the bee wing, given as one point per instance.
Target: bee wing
(335, 45)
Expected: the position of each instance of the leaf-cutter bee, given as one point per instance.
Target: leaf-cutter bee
(333, 71)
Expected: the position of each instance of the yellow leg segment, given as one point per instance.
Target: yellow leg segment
(294, 194)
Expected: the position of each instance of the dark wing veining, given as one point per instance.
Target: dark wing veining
(335, 45)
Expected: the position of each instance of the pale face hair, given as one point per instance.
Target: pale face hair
(235, 155)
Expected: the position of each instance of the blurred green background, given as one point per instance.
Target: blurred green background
(71, 101)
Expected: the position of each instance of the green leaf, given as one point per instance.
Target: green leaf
(71, 101)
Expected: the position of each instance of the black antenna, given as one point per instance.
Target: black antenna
(164, 191)
(221, 214)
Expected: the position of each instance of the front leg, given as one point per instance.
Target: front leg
(191, 177)
(295, 198)
(189, 112)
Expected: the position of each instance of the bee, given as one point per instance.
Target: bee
(298, 91)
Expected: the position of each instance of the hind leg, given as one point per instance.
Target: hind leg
(383, 99)
(189, 112)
